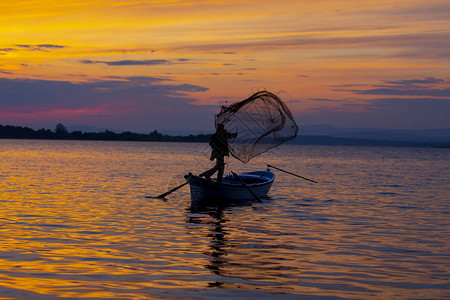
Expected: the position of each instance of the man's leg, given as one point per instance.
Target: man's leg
(221, 168)
(211, 171)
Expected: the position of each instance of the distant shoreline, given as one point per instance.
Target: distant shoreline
(61, 133)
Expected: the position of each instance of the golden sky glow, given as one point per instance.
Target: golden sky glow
(230, 48)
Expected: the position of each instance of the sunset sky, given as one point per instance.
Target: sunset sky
(168, 65)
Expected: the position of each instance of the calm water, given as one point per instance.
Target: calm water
(75, 223)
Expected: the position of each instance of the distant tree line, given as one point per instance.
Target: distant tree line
(61, 133)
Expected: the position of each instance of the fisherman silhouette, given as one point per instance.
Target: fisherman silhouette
(219, 147)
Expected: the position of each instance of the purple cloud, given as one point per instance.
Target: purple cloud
(428, 80)
(41, 47)
(148, 62)
(392, 113)
(417, 103)
(406, 92)
(7, 49)
(128, 103)
(51, 46)
(428, 87)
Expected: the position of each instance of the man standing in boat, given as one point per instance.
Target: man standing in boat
(219, 146)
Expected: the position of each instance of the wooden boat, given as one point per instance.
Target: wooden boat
(245, 186)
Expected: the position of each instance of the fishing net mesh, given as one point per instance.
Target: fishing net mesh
(261, 122)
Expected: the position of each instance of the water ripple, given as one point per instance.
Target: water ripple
(75, 223)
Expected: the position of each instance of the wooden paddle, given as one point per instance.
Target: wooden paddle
(242, 182)
(270, 166)
(176, 188)
(171, 191)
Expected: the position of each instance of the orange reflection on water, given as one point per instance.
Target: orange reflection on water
(75, 222)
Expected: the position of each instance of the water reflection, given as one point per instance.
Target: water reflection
(217, 235)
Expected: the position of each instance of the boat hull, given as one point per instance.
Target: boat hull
(230, 189)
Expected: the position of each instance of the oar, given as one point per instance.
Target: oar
(171, 191)
(270, 166)
(242, 182)
(176, 188)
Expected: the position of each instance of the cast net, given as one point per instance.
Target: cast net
(261, 122)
